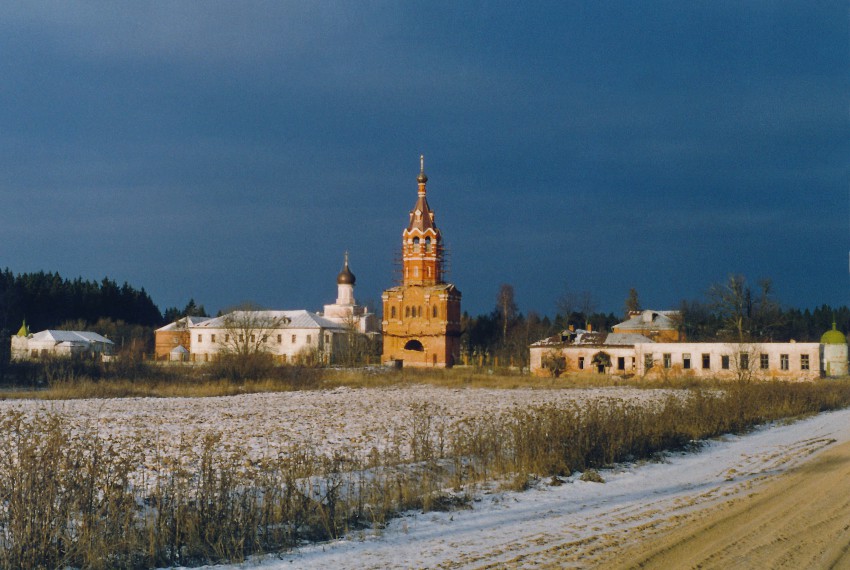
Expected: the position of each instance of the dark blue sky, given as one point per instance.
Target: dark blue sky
(233, 151)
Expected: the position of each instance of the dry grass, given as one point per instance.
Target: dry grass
(67, 380)
(76, 501)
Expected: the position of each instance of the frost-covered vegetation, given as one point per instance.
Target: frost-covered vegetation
(153, 482)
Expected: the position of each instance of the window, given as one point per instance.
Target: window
(686, 361)
(420, 310)
(407, 312)
(212, 338)
(241, 337)
(265, 338)
(783, 361)
(416, 272)
(227, 338)
(415, 246)
(724, 362)
(200, 338)
(764, 361)
(327, 338)
(434, 311)
(647, 362)
(804, 362)
(293, 339)
(667, 359)
(309, 338)
(621, 363)
(706, 361)
(392, 313)
(279, 338)
(428, 244)
(253, 338)
(744, 361)
(581, 363)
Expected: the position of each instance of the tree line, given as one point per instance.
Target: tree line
(46, 300)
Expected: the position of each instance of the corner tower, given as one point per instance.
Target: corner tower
(421, 321)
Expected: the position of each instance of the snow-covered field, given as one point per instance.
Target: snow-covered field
(577, 524)
(352, 421)
(573, 524)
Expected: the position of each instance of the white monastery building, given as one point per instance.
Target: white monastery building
(289, 336)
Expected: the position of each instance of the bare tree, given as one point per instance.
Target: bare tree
(576, 301)
(248, 330)
(747, 316)
(354, 340)
(731, 300)
(245, 342)
(507, 308)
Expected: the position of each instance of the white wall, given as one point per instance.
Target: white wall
(795, 353)
(205, 343)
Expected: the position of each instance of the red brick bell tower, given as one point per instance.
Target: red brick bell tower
(421, 321)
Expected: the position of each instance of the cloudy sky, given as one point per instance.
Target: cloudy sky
(232, 151)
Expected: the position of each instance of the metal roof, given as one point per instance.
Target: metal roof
(299, 319)
(70, 336)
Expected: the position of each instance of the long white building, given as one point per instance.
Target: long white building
(636, 355)
(289, 336)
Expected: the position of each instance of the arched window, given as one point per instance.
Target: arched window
(420, 310)
(434, 311)
(407, 311)
(392, 313)
(428, 244)
(416, 244)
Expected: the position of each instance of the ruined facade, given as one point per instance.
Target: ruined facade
(421, 317)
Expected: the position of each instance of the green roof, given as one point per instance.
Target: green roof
(24, 330)
(834, 336)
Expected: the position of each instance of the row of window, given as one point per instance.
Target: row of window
(725, 361)
(416, 271)
(427, 244)
(413, 312)
(253, 338)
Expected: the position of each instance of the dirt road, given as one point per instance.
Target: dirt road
(800, 519)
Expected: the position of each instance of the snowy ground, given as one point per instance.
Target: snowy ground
(577, 524)
(352, 421)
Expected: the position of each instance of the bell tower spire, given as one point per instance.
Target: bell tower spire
(421, 248)
(422, 178)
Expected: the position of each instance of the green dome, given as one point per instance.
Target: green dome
(834, 336)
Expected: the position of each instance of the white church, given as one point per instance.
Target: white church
(288, 335)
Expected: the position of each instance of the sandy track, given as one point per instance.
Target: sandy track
(799, 520)
(776, 498)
